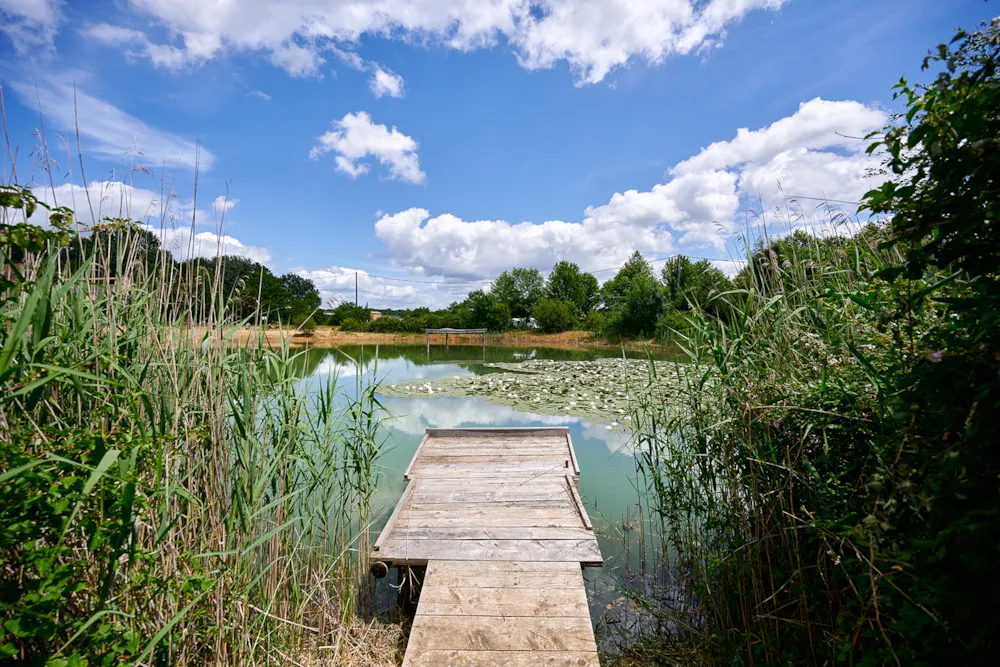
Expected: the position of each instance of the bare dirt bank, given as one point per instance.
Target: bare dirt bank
(329, 336)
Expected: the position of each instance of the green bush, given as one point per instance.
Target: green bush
(386, 324)
(351, 324)
(554, 316)
(594, 322)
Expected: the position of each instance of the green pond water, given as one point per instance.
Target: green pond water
(607, 483)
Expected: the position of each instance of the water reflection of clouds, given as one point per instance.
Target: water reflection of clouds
(389, 370)
(414, 415)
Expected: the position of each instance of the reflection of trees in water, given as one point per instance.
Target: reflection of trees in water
(348, 358)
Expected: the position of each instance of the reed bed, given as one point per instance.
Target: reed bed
(169, 500)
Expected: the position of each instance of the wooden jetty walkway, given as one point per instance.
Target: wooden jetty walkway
(495, 517)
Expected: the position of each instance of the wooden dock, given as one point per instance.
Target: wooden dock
(495, 517)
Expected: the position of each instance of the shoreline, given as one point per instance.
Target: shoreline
(328, 336)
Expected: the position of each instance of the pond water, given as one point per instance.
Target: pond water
(607, 483)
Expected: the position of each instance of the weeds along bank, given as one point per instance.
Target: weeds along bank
(166, 503)
(830, 495)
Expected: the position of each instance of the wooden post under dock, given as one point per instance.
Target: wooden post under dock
(448, 331)
(495, 517)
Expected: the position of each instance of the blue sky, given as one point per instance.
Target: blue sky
(444, 140)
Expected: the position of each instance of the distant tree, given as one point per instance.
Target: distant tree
(520, 289)
(346, 310)
(487, 311)
(688, 283)
(633, 299)
(304, 296)
(567, 283)
(554, 316)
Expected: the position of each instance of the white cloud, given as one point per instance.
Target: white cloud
(223, 204)
(336, 283)
(108, 131)
(163, 213)
(137, 45)
(815, 152)
(591, 36)
(446, 245)
(180, 242)
(30, 24)
(385, 83)
(817, 124)
(356, 137)
(260, 94)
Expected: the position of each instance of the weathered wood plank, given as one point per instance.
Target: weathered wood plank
(581, 550)
(396, 511)
(475, 493)
(503, 659)
(579, 503)
(416, 455)
(496, 580)
(496, 432)
(506, 602)
(491, 458)
(416, 518)
(527, 503)
(496, 633)
(510, 470)
(492, 533)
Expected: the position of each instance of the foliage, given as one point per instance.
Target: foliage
(519, 290)
(487, 311)
(690, 285)
(167, 499)
(555, 316)
(594, 322)
(830, 492)
(303, 297)
(351, 324)
(387, 324)
(346, 310)
(567, 283)
(633, 300)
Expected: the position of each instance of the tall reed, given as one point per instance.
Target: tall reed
(755, 482)
(170, 496)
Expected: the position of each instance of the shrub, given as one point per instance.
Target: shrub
(594, 322)
(307, 327)
(554, 316)
(351, 324)
(386, 325)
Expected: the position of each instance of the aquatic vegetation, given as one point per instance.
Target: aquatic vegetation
(601, 390)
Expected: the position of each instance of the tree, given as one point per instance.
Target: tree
(554, 316)
(616, 289)
(688, 284)
(304, 297)
(567, 283)
(633, 299)
(520, 289)
(487, 311)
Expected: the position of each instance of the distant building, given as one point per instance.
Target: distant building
(524, 323)
(375, 315)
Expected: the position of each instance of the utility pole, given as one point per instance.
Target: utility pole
(355, 289)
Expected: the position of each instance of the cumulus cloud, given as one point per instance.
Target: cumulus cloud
(815, 152)
(385, 83)
(30, 24)
(107, 130)
(591, 36)
(355, 137)
(183, 245)
(162, 213)
(336, 284)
